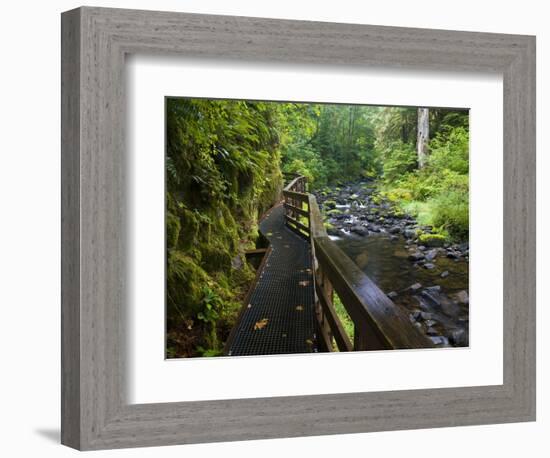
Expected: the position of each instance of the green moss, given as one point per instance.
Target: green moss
(183, 269)
(173, 227)
(432, 240)
(329, 204)
(376, 199)
(223, 172)
(334, 211)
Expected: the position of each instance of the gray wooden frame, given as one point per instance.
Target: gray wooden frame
(95, 414)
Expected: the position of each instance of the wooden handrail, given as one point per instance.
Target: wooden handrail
(379, 323)
(297, 210)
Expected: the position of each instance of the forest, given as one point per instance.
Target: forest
(225, 162)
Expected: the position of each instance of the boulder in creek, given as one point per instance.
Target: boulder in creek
(462, 297)
(415, 287)
(451, 254)
(331, 230)
(429, 266)
(409, 234)
(392, 295)
(444, 274)
(394, 230)
(359, 230)
(458, 337)
(432, 240)
(431, 255)
(425, 315)
(440, 340)
(440, 301)
(432, 332)
(416, 256)
(434, 289)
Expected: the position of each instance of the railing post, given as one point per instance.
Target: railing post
(359, 339)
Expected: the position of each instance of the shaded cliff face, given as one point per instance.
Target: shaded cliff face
(222, 172)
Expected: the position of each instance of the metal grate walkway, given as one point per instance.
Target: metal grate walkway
(280, 317)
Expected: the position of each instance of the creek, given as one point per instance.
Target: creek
(426, 276)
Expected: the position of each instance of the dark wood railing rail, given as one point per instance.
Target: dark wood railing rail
(379, 323)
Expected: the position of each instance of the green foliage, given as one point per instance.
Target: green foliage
(211, 302)
(222, 172)
(329, 143)
(209, 351)
(451, 212)
(449, 151)
(224, 161)
(345, 319)
(398, 159)
(436, 195)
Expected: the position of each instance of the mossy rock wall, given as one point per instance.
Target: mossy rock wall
(222, 174)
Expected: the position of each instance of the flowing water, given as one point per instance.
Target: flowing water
(386, 262)
(430, 284)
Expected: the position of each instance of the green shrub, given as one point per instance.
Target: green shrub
(399, 158)
(451, 212)
(450, 150)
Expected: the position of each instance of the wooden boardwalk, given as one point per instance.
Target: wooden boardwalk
(280, 317)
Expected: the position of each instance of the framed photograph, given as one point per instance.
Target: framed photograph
(278, 228)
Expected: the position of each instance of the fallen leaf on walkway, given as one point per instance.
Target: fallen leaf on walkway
(299, 308)
(304, 283)
(261, 324)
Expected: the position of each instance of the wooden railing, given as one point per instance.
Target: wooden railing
(378, 323)
(295, 199)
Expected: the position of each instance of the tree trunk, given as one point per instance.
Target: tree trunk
(423, 136)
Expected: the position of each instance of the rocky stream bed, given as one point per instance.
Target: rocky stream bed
(417, 269)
